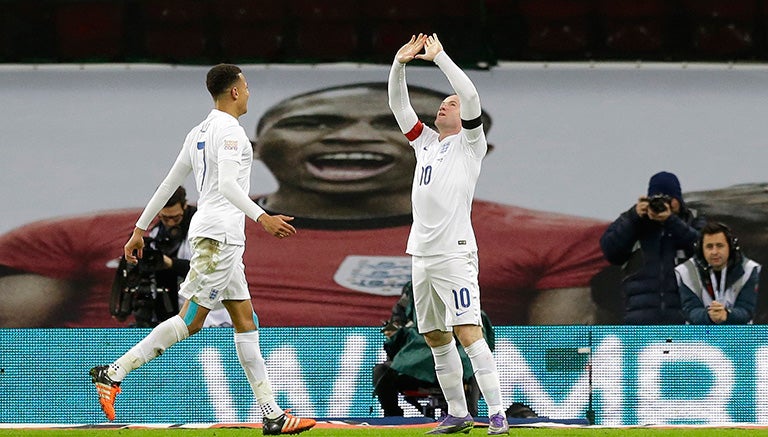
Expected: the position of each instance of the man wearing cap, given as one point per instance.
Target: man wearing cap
(648, 241)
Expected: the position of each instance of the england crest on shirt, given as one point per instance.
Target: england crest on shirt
(379, 275)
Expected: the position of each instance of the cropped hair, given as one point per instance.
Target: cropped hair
(712, 228)
(221, 77)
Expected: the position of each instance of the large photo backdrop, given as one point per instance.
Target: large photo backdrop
(573, 138)
(573, 147)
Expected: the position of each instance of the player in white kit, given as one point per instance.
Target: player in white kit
(219, 154)
(442, 242)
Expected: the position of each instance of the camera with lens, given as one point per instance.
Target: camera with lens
(136, 290)
(151, 262)
(659, 203)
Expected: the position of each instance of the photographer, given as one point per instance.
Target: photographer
(648, 241)
(149, 290)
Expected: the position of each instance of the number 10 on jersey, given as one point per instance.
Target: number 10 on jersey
(426, 175)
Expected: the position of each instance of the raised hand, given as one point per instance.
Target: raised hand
(432, 47)
(641, 207)
(411, 49)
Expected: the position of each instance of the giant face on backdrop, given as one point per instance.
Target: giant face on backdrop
(340, 150)
(344, 172)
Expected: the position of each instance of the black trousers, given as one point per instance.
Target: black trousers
(388, 384)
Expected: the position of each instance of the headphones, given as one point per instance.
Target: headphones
(712, 228)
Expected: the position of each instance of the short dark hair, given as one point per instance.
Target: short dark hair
(712, 228)
(179, 196)
(221, 77)
(375, 86)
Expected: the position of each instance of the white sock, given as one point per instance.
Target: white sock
(450, 376)
(249, 355)
(163, 336)
(486, 374)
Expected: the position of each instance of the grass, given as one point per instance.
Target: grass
(393, 432)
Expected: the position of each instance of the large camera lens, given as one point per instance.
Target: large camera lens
(658, 204)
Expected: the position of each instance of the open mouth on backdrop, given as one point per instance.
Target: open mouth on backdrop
(349, 166)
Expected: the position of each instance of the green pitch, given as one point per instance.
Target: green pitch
(393, 432)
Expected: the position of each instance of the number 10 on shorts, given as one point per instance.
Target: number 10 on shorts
(461, 298)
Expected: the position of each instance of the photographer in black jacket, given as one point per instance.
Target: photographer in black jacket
(648, 241)
(149, 290)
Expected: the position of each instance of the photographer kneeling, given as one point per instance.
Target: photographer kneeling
(149, 290)
(648, 241)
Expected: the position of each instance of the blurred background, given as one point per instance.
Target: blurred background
(481, 33)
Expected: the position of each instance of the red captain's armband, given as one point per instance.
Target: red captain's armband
(415, 132)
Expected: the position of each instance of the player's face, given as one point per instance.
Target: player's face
(243, 94)
(448, 115)
(715, 249)
(341, 142)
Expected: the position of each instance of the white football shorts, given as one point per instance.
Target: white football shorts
(445, 291)
(216, 273)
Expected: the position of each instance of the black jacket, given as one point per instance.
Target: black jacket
(649, 251)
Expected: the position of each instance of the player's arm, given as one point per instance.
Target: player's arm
(175, 177)
(397, 88)
(470, 100)
(229, 188)
(469, 108)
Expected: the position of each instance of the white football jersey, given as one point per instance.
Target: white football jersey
(219, 137)
(443, 187)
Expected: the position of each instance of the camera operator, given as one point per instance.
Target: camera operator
(149, 290)
(648, 241)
